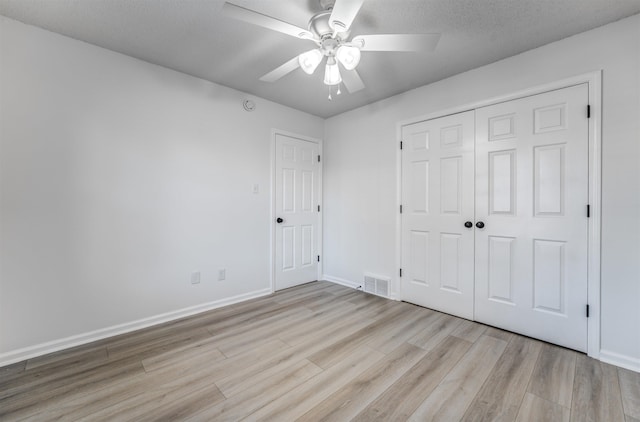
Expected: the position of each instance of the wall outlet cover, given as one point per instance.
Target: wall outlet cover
(195, 277)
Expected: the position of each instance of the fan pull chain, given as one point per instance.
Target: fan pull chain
(338, 91)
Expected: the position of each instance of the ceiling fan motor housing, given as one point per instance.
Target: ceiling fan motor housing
(319, 25)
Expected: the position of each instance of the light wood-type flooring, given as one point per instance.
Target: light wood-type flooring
(319, 352)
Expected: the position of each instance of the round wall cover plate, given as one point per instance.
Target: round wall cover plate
(249, 105)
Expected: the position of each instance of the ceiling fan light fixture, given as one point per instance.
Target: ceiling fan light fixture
(332, 73)
(310, 60)
(349, 56)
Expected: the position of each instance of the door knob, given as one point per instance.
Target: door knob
(468, 224)
(279, 220)
(480, 224)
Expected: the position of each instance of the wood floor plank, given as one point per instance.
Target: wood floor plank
(630, 390)
(449, 401)
(309, 394)
(499, 334)
(352, 294)
(351, 399)
(380, 327)
(92, 401)
(151, 395)
(13, 370)
(233, 344)
(201, 351)
(219, 321)
(343, 314)
(317, 300)
(469, 330)
(596, 392)
(157, 345)
(261, 393)
(256, 324)
(553, 376)
(336, 289)
(410, 326)
(400, 400)
(184, 407)
(298, 291)
(300, 297)
(368, 299)
(284, 358)
(536, 409)
(32, 394)
(435, 331)
(75, 356)
(501, 395)
(348, 325)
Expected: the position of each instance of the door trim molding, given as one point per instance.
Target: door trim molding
(594, 82)
(272, 199)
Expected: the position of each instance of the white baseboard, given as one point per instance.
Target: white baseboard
(627, 362)
(77, 340)
(342, 281)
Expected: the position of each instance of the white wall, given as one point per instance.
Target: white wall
(119, 178)
(361, 171)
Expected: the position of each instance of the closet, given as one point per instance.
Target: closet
(495, 218)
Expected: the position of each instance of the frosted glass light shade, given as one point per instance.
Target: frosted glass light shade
(310, 60)
(332, 73)
(348, 56)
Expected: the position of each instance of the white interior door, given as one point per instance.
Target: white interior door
(437, 200)
(531, 195)
(296, 211)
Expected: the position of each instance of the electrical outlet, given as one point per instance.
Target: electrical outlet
(195, 277)
(256, 188)
(222, 274)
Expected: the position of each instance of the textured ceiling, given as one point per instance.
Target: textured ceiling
(194, 37)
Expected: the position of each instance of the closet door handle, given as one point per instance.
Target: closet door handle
(480, 224)
(468, 224)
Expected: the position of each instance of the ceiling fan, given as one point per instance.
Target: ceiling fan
(329, 30)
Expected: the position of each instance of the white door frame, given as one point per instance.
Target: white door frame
(594, 81)
(272, 213)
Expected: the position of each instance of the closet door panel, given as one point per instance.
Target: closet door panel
(437, 199)
(531, 195)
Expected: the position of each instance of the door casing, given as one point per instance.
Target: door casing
(594, 81)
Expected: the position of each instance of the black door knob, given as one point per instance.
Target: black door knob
(479, 224)
(279, 220)
(468, 224)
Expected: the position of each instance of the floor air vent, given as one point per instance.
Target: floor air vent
(376, 285)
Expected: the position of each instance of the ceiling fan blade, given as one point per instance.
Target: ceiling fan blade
(265, 21)
(279, 72)
(352, 81)
(397, 42)
(343, 14)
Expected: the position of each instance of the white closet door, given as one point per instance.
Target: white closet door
(296, 202)
(437, 196)
(531, 195)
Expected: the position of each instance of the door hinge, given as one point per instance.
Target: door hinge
(318, 208)
(587, 311)
(400, 144)
(588, 210)
(400, 272)
(318, 158)
(318, 258)
(400, 209)
(588, 111)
